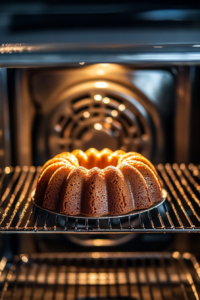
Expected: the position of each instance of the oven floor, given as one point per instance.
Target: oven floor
(101, 276)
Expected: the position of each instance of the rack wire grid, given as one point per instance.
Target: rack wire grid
(102, 276)
(179, 213)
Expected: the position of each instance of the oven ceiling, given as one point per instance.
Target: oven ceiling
(53, 33)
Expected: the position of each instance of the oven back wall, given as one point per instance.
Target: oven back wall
(101, 105)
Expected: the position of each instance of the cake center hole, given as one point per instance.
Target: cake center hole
(98, 162)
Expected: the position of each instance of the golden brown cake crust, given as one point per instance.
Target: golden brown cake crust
(70, 199)
(53, 190)
(53, 161)
(44, 180)
(97, 183)
(150, 179)
(94, 194)
(118, 192)
(139, 192)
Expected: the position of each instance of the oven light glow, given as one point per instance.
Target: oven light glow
(97, 97)
(7, 170)
(100, 72)
(182, 166)
(92, 278)
(2, 264)
(86, 114)
(114, 113)
(187, 255)
(106, 100)
(24, 258)
(101, 84)
(96, 254)
(97, 126)
(58, 128)
(98, 242)
(176, 254)
(17, 169)
(32, 169)
(81, 63)
(121, 107)
(109, 120)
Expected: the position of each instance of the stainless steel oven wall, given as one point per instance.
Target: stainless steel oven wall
(5, 147)
(22, 113)
(99, 105)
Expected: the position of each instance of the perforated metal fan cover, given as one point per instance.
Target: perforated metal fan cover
(101, 117)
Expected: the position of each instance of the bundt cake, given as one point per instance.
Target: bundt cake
(97, 183)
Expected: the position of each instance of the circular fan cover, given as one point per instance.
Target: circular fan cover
(96, 117)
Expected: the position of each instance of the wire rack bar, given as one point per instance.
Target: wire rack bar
(100, 275)
(179, 213)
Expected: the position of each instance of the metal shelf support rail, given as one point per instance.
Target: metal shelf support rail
(100, 275)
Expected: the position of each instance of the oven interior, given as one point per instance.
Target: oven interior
(148, 109)
(102, 276)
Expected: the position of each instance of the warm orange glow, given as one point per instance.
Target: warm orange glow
(106, 100)
(58, 128)
(97, 97)
(86, 114)
(107, 125)
(24, 258)
(121, 107)
(101, 84)
(2, 264)
(97, 126)
(7, 170)
(109, 120)
(25, 168)
(176, 254)
(96, 254)
(100, 72)
(114, 113)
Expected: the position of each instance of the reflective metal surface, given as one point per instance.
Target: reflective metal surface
(101, 105)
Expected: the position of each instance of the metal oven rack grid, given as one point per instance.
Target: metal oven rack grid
(101, 276)
(179, 213)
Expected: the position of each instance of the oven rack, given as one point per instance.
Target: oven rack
(127, 276)
(179, 213)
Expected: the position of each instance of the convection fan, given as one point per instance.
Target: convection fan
(99, 114)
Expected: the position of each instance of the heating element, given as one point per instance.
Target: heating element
(101, 276)
(179, 213)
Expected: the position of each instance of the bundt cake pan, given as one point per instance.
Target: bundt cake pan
(132, 213)
(98, 183)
